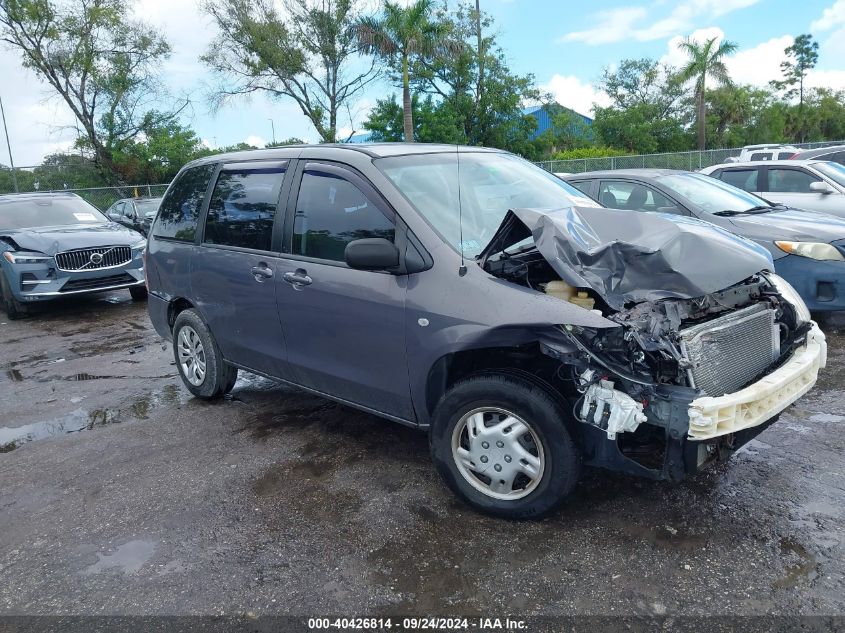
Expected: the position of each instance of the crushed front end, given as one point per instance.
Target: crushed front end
(710, 346)
(685, 381)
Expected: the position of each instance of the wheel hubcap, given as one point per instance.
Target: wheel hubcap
(498, 453)
(191, 355)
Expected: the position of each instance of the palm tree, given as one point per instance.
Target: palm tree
(401, 34)
(705, 60)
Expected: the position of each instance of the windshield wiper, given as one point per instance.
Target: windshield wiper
(763, 208)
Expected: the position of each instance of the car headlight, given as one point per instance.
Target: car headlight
(791, 295)
(139, 245)
(25, 257)
(813, 250)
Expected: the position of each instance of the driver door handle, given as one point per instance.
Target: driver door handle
(297, 279)
(261, 272)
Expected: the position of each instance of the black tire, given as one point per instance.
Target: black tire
(14, 308)
(540, 412)
(139, 293)
(218, 373)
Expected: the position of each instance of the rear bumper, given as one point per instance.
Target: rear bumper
(821, 284)
(711, 417)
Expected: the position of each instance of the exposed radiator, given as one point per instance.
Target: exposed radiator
(729, 352)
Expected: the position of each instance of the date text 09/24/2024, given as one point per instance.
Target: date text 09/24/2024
(417, 624)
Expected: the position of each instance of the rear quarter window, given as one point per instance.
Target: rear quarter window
(180, 208)
(743, 178)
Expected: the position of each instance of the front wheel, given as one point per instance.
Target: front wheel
(499, 442)
(14, 308)
(200, 363)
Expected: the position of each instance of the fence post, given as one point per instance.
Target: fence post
(149, 192)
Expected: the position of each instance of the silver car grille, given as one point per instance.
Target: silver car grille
(94, 258)
(729, 352)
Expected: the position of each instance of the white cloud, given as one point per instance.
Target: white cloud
(611, 26)
(255, 141)
(832, 16)
(571, 92)
(621, 24)
(833, 79)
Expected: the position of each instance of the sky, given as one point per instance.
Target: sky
(562, 44)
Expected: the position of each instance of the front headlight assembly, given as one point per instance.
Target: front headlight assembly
(813, 250)
(790, 295)
(26, 257)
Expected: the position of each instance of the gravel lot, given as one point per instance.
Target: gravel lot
(131, 497)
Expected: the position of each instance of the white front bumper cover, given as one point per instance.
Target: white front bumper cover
(711, 417)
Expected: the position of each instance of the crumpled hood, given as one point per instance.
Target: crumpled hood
(55, 239)
(628, 257)
(791, 224)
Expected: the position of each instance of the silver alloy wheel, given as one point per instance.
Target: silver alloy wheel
(498, 453)
(191, 355)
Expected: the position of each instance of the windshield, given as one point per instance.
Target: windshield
(490, 185)
(834, 171)
(712, 195)
(30, 213)
(145, 206)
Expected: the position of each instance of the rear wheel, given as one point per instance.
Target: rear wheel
(14, 308)
(200, 363)
(499, 442)
(139, 293)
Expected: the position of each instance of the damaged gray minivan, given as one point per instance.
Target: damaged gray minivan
(470, 293)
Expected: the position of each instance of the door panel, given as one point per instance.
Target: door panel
(233, 270)
(345, 327)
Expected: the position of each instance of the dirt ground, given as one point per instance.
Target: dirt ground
(121, 494)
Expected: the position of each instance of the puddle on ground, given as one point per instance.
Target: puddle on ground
(85, 420)
(127, 558)
(801, 565)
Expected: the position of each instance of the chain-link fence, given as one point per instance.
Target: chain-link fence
(690, 161)
(104, 197)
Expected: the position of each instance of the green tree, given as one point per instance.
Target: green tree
(644, 82)
(433, 123)
(705, 60)
(309, 54)
(801, 57)
(159, 153)
(400, 36)
(98, 60)
(639, 130)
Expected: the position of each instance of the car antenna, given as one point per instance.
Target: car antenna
(463, 269)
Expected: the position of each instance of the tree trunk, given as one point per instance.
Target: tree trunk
(406, 102)
(701, 115)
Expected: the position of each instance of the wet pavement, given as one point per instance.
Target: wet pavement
(121, 494)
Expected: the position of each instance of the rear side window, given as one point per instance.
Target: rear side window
(177, 218)
(745, 179)
(243, 206)
(331, 212)
(761, 156)
(785, 155)
(790, 180)
(634, 196)
(583, 186)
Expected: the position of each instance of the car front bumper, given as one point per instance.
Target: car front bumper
(44, 281)
(711, 417)
(821, 284)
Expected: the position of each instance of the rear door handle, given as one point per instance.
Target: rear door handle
(261, 272)
(297, 279)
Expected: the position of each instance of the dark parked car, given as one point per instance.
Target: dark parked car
(834, 153)
(433, 286)
(808, 248)
(57, 245)
(134, 213)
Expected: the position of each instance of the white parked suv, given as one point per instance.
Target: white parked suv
(766, 151)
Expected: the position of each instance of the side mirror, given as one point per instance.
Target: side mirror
(821, 187)
(373, 253)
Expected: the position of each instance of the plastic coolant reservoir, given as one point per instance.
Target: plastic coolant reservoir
(583, 300)
(560, 290)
